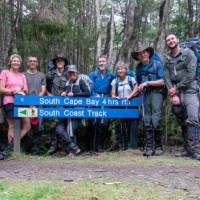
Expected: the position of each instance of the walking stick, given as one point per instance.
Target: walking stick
(142, 94)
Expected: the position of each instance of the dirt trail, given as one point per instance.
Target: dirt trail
(185, 178)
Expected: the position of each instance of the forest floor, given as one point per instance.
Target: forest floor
(119, 175)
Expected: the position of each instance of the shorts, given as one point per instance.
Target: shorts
(9, 110)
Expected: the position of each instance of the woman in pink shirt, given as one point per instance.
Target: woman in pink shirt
(13, 82)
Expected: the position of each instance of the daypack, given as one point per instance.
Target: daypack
(83, 77)
(129, 74)
(87, 80)
(194, 45)
(117, 84)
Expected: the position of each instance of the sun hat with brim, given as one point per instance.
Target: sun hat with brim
(72, 68)
(60, 57)
(134, 54)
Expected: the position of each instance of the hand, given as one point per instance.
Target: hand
(49, 94)
(16, 90)
(142, 86)
(172, 91)
(64, 94)
(70, 94)
(176, 100)
(127, 98)
(20, 93)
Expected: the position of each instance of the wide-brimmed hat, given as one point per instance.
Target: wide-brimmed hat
(141, 48)
(72, 68)
(60, 56)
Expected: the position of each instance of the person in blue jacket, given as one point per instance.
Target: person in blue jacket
(101, 79)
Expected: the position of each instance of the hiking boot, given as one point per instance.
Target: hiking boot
(158, 142)
(77, 151)
(2, 156)
(149, 152)
(74, 153)
(159, 151)
(183, 153)
(196, 156)
(8, 150)
(52, 150)
(35, 152)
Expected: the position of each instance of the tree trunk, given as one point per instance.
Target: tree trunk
(110, 36)
(127, 44)
(98, 29)
(3, 54)
(197, 20)
(190, 19)
(159, 42)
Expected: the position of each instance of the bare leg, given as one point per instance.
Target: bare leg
(10, 129)
(26, 126)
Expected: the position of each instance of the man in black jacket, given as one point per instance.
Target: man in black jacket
(56, 80)
(75, 87)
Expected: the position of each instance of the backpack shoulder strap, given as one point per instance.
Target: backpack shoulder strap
(109, 75)
(116, 85)
(95, 74)
(130, 82)
(154, 65)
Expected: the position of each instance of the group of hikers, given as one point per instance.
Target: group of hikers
(153, 80)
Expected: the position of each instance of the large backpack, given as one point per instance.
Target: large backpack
(155, 59)
(87, 80)
(194, 45)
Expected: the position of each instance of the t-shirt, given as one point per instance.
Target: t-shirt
(34, 82)
(124, 88)
(12, 81)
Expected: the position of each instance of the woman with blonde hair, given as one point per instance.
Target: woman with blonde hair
(13, 82)
(125, 86)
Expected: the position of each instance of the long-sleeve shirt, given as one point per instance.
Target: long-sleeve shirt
(101, 85)
(180, 71)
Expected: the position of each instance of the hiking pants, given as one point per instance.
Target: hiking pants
(191, 103)
(66, 129)
(153, 109)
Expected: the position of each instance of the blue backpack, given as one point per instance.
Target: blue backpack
(194, 45)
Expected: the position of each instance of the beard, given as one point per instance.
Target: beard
(174, 47)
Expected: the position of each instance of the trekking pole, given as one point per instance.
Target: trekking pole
(142, 93)
(69, 119)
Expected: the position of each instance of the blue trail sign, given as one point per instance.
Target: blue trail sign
(75, 112)
(72, 101)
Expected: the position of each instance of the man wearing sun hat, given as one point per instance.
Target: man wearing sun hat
(56, 81)
(149, 75)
